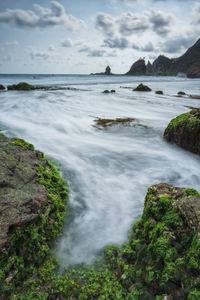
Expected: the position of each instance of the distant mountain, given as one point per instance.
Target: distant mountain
(188, 63)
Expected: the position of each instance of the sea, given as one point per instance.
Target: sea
(108, 169)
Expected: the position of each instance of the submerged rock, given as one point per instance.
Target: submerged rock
(22, 86)
(159, 92)
(2, 87)
(108, 92)
(103, 123)
(142, 88)
(184, 131)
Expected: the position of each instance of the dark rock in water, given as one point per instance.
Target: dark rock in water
(103, 123)
(149, 68)
(184, 131)
(181, 93)
(22, 86)
(108, 92)
(161, 65)
(2, 87)
(138, 68)
(108, 70)
(142, 88)
(159, 92)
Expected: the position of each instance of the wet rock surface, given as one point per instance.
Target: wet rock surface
(21, 196)
(184, 131)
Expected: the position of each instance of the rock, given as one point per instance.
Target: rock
(108, 92)
(149, 69)
(161, 65)
(142, 88)
(159, 92)
(138, 68)
(103, 123)
(32, 197)
(108, 70)
(22, 86)
(184, 131)
(2, 87)
(194, 70)
(21, 196)
(181, 93)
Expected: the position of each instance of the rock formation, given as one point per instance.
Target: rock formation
(188, 63)
(107, 72)
(161, 65)
(2, 87)
(184, 131)
(138, 68)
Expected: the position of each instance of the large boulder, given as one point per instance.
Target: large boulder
(2, 87)
(32, 209)
(22, 86)
(184, 131)
(138, 68)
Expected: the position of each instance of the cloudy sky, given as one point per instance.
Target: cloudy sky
(83, 36)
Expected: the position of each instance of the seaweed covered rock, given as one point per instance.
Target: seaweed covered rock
(109, 92)
(159, 92)
(2, 87)
(32, 197)
(142, 88)
(22, 86)
(184, 131)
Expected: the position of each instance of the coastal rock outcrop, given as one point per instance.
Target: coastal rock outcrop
(22, 86)
(2, 87)
(184, 131)
(138, 68)
(107, 72)
(161, 65)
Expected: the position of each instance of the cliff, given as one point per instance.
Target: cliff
(138, 68)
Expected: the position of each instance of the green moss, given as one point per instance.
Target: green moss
(30, 246)
(22, 143)
(142, 88)
(187, 120)
(181, 93)
(22, 86)
(159, 92)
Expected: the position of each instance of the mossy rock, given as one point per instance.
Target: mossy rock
(181, 93)
(184, 131)
(22, 86)
(108, 92)
(159, 92)
(2, 87)
(142, 88)
(33, 200)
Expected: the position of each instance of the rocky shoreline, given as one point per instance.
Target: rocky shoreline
(160, 261)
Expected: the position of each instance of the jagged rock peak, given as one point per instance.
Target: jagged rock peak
(138, 68)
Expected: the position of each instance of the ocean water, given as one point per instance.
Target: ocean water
(108, 170)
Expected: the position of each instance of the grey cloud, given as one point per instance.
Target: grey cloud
(43, 17)
(12, 43)
(105, 23)
(148, 47)
(131, 23)
(196, 14)
(120, 43)
(67, 43)
(41, 55)
(177, 44)
(92, 52)
(161, 22)
(7, 58)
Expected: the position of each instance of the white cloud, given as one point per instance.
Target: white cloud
(42, 17)
(67, 43)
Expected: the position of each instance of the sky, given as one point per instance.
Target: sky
(84, 36)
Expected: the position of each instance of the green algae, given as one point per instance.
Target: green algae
(142, 88)
(159, 92)
(22, 86)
